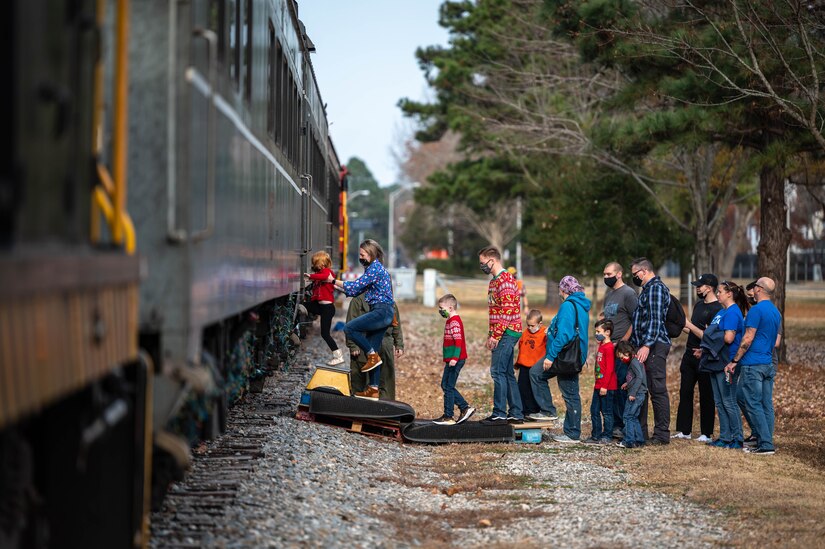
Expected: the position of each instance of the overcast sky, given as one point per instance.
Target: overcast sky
(365, 62)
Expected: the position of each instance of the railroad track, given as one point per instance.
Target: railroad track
(194, 511)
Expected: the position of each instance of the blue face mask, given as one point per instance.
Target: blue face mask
(599, 337)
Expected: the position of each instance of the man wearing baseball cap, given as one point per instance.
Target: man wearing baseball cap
(703, 312)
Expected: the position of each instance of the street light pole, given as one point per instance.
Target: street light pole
(391, 229)
(347, 198)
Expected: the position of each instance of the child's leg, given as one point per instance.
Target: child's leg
(595, 415)
(525, 389)
(607, 413)
(457, 398)
(327, 312)
(447, 384)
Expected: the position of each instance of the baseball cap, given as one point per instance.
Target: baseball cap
(706, 279)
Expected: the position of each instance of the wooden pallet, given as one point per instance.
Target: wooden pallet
(369, 427)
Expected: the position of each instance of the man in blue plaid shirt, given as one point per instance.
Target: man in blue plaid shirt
(653, 345)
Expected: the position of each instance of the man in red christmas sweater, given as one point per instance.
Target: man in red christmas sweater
(505, 330)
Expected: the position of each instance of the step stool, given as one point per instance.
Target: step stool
(333, 377)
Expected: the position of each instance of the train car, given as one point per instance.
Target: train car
(234, 183)
(124, 309)
(75, 393)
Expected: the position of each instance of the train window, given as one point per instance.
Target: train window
(247, 50)
(283, 102)
(271, 67)
(217, 24)
(232, 9)
(277, 84)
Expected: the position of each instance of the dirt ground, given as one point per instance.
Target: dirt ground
(773, 501)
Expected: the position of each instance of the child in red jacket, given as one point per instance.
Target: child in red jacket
(601, 409)
(323, 301)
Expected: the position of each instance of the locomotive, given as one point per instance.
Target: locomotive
(169, 173)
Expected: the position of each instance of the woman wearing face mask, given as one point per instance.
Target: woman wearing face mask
(367, 331)
(573, 317)
(720, 341)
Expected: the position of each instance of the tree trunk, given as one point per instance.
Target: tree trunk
(552, 300)
(774, 237)
(702, 259)
(728, 244)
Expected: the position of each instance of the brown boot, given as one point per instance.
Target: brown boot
(373, 361)
(370, 393)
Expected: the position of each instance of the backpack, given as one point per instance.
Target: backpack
(675, 319)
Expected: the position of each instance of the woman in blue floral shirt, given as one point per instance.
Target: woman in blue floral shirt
(367, 331)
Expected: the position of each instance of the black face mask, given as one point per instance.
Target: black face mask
(700, 295)
(637, 280)
(364, 262)
(485, 267)
(752, 301)
(610, 281)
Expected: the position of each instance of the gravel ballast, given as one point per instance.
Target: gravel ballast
(321, 486)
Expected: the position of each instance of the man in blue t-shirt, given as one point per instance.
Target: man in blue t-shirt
(755, 391)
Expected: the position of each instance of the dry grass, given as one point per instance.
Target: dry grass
(773, 501)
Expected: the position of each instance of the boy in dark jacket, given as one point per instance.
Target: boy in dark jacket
(636, 386)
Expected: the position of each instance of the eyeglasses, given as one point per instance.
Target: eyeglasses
(637, 272)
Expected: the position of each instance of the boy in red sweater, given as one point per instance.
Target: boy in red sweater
(601, 409)
(323, 301)
(455, 353)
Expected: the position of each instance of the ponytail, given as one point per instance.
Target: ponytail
(739, 297)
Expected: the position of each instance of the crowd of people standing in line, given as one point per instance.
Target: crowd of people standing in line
(730, 353)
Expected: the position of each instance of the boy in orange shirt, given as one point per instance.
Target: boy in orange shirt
(531, 349)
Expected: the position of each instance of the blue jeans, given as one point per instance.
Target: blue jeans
(632, 428)
(755, 392)
(724, 394)
(569, 386)
(620, 395)
(505, 386)
(367, 331)
(452, 397)
(602, 406)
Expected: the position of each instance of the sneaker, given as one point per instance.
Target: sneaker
(763, 452)
(541, 416)
(337, 358)
(718, 443)
(680, 435)
(618, 433)
(734, 446)
(751, 440)
(373, 361)
(703, 438)
(444, 420)
(370, 393)
(623, 444)
(604, 441)
(592, 440)
(565, 438)
(465, 414)
(658, 442)
(514, 420)
(494, 420)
